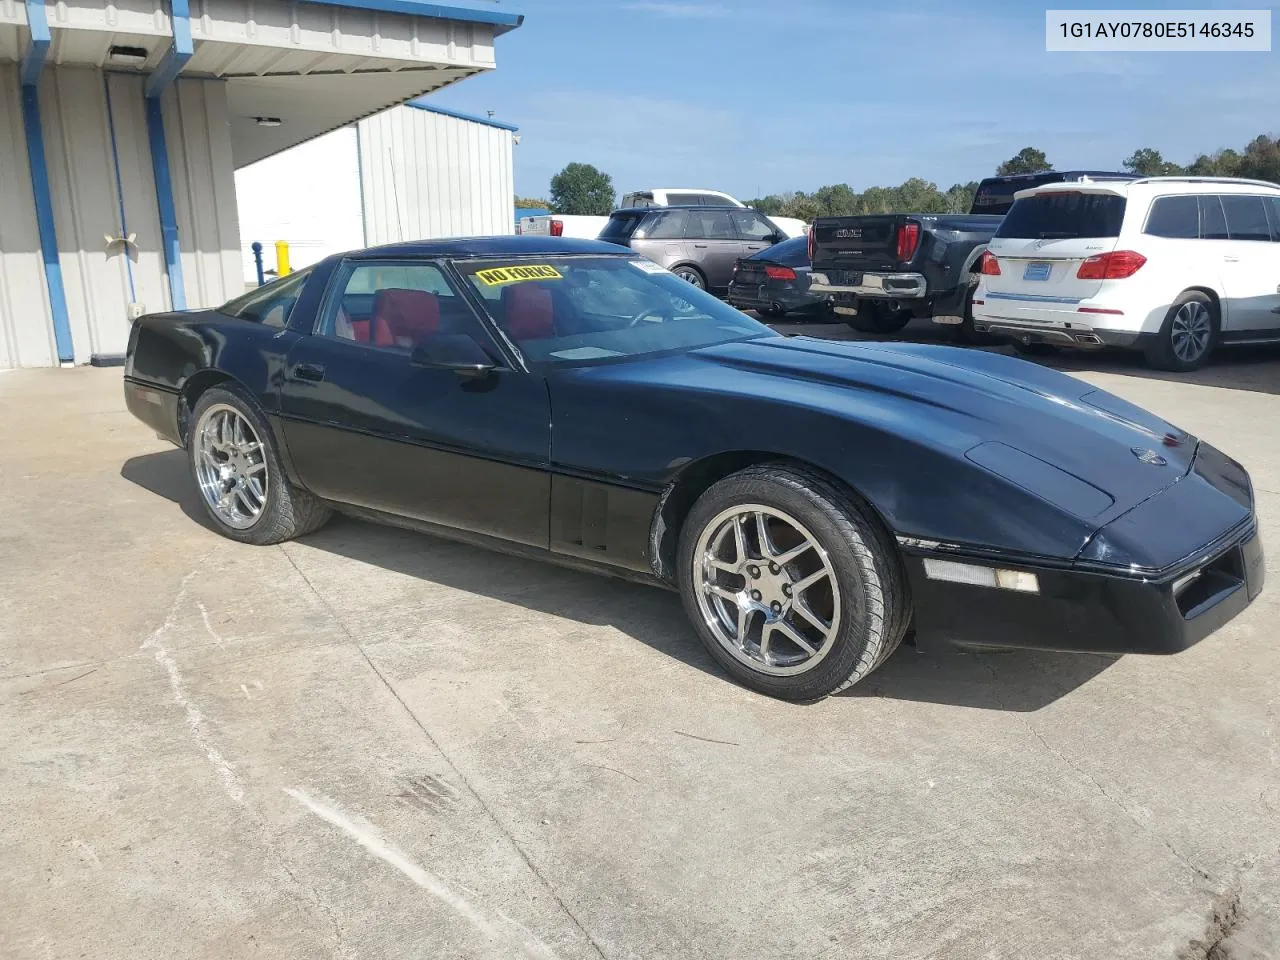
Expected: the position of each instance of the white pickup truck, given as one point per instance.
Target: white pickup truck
(562, 225)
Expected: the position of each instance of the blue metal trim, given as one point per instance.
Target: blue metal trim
(169, 242)
(423, 104)
(179, 53)
(32, 65)
(115, 160)
(471, 11)
(1034, 298)
(41, 40)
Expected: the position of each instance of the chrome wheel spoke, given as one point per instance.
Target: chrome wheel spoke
(255, 468)
(744, 621)
(740, 539)
(723, 593)
(794, 635)
(805, 611)
(795, 553)
(812, 579)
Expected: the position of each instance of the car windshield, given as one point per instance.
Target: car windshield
(591, 309)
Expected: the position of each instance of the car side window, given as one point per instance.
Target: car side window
(751, 226)
(1246, 217)
(1213, 222)
(394, 306)
(675, 199)
(668, 225)
(271, 303)
(1273, 210)
(710, 225)
(1177, 217)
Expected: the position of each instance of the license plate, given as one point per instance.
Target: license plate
(1037, 270)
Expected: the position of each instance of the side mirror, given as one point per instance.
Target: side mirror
(777, 236)
(453, 351)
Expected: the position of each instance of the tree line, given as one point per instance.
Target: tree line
(580, 188)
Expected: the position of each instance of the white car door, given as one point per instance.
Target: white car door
(1250, 265)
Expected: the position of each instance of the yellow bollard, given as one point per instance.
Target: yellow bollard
(282, 258)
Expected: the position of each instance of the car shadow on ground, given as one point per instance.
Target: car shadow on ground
(1252, 368)
(1019, 681)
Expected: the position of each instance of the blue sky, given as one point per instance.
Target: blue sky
(776, 95)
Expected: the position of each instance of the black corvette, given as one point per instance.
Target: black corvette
(812, 501)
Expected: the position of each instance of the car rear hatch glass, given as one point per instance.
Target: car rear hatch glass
(1044, 239)
(621, 226)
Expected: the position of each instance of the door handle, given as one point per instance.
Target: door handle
(701, 246)
(752, 246)
(308, 371)
(1231, 259)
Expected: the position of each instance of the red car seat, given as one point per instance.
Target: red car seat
(529, 312)
(404, 318)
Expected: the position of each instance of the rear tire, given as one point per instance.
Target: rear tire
(691, 275)
(879, 319)
(1188, 336)
(237, 470)
(965, 332)
(855, 584)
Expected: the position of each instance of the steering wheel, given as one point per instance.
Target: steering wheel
(646, 315)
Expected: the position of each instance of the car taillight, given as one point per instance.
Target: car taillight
(1111, 266)
(557, 228)
(812, 244)
(990, 265)
(908, 240)
(779, 273)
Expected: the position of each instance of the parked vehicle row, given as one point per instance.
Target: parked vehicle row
(1169, 266)
(883, 270)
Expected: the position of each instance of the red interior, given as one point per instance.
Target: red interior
(529, 312)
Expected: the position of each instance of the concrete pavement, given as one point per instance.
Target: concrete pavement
(376, 744)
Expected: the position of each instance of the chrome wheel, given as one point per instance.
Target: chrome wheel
(231, 466)
(767, 589)
(1191, 331)
(689, 275)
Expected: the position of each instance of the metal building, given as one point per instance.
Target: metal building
(414, 172)
(122, 123)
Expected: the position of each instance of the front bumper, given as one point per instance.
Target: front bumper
(1089, 611)
(1199, 536)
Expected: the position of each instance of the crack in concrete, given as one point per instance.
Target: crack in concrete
(1224, 918)
(1097, 785)
(462, 778)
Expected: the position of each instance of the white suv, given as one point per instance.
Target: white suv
(1171, 266)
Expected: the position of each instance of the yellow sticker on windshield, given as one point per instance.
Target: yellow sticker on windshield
(497, 276)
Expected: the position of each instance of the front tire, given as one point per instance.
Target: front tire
(1188, 335)
(236, 466)
(791, 585)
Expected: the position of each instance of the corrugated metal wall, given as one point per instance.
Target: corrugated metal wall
(87, 209)
(426, 175)
(278, 200)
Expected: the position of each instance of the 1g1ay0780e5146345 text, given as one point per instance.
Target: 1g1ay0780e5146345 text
(1186, 31)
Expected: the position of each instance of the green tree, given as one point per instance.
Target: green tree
(1147, 162)
(1261, 160)
(1026, 160)
(836, 200)
(960, 197)
(532, 203)
(581, 189)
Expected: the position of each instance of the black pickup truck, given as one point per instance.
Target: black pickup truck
(883, 270)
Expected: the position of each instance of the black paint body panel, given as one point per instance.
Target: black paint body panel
(996, 458)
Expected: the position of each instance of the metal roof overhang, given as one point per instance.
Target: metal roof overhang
(315, 65)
